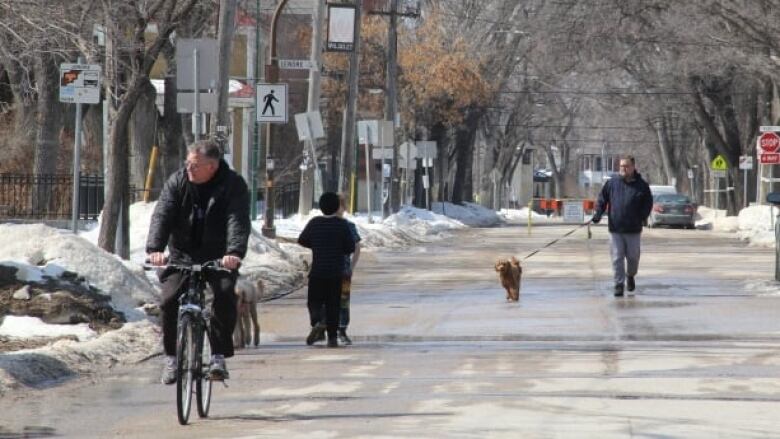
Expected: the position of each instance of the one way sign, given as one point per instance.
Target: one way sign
(272, 103)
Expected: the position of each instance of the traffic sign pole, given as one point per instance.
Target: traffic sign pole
(76, 167)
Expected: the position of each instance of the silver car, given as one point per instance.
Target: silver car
(672, 210)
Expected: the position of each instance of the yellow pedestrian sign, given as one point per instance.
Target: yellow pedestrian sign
(719, 164)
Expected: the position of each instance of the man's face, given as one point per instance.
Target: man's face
(626, 169)
(200, 168)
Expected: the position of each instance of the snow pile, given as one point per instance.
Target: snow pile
(469, 214)
(522, 215)
(753, 224)
(265, 259)
(40, 245)
(409, 225)
(132, 343)
(716, 220)
(27, 327)
(756, 225)
(421, 223)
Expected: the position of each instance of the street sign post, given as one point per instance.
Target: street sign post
(718, 168)
(745, 164)
(79, 84)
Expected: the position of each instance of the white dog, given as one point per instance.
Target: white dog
(248, 294)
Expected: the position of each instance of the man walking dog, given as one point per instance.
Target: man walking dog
(628, 202)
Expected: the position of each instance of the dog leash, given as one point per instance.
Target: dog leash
(558, 239)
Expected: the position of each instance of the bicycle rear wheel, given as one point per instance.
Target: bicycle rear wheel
(203, 383)
(185, 356)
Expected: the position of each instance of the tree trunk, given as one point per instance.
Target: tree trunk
(25, 123)
(117, 204)
(143, 124)
(463, 185)
(172, 147)
(663, 149)
(47, 139)
(92, 149)
(439, 135)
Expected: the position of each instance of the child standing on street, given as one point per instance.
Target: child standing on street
(330, 239)
(350, 261)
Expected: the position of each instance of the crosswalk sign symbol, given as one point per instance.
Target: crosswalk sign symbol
(719, 164)
(272, 103)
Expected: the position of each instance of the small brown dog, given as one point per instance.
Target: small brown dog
(509, 273)
(247, 295)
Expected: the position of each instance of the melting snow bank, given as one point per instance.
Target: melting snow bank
(407, 226)
(470, 214)
(753, 224)
(42, 251)
(67, 359)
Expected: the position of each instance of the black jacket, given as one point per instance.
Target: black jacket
(330, 239)
(225, 226)
(627, 204)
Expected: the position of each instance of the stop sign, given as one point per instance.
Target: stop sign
(769, 142)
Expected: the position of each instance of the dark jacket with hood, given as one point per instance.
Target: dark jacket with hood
(628, 204)
(201, 222)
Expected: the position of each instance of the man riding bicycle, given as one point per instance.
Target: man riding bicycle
(202, 214)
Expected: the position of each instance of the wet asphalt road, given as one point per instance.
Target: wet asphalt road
(439, 353)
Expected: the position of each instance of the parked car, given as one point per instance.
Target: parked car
(672, 210)
(662, 189)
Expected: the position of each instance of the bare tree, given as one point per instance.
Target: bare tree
(129, 61)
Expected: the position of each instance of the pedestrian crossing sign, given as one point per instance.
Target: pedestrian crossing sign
(271, 103)
(719, 164)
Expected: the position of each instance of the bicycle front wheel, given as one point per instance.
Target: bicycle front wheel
(185, 357)
(203, 383)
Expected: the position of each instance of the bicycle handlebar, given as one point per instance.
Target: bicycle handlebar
(215, 265)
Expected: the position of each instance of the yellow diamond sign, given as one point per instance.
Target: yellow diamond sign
(719, 164)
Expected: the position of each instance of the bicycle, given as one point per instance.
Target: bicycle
(193, 347)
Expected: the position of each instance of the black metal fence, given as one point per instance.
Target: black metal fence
(286, 199)
(49, 197)
(29, 196)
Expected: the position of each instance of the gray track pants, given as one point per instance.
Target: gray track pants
(624, 249)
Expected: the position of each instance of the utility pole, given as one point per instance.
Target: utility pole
(227, 14)
(313, 104)
(256, 131)
(272, 77)
(392, 203)
(348, 129)
(391, 97)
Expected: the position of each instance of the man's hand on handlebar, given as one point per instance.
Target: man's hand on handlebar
(157, 258)
(231, 262)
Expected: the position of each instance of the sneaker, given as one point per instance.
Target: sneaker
(630, 285)
(218, 370)
(343, 337)
(317, 334)
(618, 290)
(169, 371)
(333, 342)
